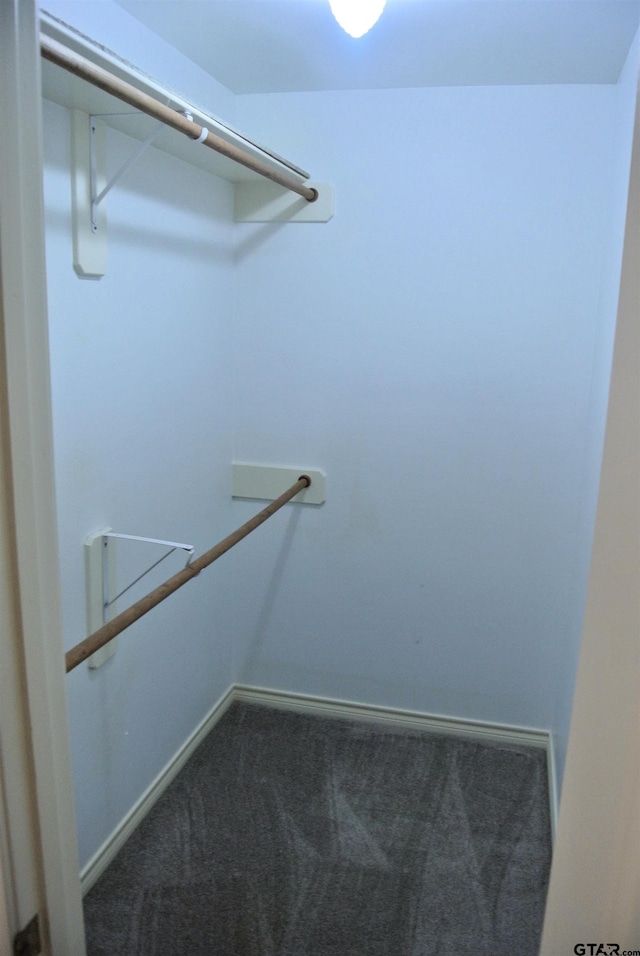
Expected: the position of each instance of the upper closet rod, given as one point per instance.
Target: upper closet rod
(123, 620)
(61, 56)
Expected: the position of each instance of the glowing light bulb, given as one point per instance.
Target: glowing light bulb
(356, 17)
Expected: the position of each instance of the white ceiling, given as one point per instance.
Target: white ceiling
(265, 46)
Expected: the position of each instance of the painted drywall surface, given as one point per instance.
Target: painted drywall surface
(142, 430)
(433, 348)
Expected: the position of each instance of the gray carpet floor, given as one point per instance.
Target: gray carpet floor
(295, 835)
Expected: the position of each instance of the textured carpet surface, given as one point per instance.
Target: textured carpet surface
(293, 835)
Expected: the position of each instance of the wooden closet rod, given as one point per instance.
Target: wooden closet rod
(123, 620)
(59, 54)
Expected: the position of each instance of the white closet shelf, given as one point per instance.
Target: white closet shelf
(100, 88)
(62, 87)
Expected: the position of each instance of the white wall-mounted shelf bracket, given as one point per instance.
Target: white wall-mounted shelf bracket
(100, 568)
(99, 578)
(267, 202)
(90, 188)
(87, 178)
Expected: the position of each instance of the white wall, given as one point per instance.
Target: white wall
(143, 428)
(441, 348)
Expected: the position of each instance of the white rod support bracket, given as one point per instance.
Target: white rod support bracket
(250, 480)
(100, 570)
(97, 197)
(172, 545)
(267, 202)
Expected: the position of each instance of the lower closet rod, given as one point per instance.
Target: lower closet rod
(80, 66)
(123, 620)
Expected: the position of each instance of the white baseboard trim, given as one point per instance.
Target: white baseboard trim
(98, 863)
(413, 720)
(326, 707)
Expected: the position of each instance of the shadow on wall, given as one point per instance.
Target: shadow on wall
(257, 238)
(272, 589)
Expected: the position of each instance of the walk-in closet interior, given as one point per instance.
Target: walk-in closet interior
(434, 343)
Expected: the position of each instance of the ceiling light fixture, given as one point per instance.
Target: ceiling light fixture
(356, 17)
